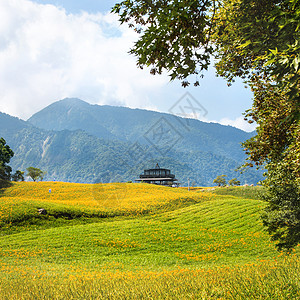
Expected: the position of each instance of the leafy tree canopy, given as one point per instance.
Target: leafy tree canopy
(220, 180)
(5, 155)
(35, 173)
(18, 176)
(282, 213)
(245, 36)
(234, 181)
(174, 35)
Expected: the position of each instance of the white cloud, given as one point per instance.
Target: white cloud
(47, 54)
(239, 123)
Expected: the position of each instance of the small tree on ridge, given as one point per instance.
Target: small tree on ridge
(35, 173)
(234, 181)
(220, 180)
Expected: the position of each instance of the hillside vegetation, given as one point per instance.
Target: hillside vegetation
(254, 192)
(70, 201)
(137, 241)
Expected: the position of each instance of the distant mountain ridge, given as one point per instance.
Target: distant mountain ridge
(79, 142)
(70, 114)
(125, 124)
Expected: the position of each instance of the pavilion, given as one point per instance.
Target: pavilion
(158, 176)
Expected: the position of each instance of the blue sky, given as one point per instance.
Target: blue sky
(51, 49)
(76, 6)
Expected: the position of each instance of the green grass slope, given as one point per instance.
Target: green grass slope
(222, 231)
(214, 248)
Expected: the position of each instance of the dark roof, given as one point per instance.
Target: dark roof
(156, 179)
(157, 169)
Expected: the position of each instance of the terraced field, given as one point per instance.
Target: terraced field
(138, 241)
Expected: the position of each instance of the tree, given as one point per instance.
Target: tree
(257, 40)
(18, 176)
(35, 173)
(267, 56)
(234, 181)
(281, 216)
(244, 35)
(5, 155)
(220, 180)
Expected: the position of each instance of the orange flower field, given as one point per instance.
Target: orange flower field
(138, 241)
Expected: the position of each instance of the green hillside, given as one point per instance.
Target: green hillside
(213, 247)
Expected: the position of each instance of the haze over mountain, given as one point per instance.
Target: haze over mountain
(75, 141)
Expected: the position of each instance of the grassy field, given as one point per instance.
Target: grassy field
(246, 192)
(138, 241)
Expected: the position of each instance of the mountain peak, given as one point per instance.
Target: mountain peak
(70, 102)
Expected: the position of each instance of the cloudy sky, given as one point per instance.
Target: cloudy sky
(53, 49)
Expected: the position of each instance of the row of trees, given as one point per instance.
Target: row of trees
(256, 40)
(5, 170)
(221, 181)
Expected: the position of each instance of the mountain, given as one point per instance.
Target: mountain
(10, 125)
(137, 125)
(71, 114)
(78, 142)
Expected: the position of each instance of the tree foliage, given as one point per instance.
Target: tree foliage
(259, 41)
(265, 52)
(18, 176)
(5, 155)
(220, 180)
(282, 215)
(277, 138)
(234, 181)
(35, 173)
(174, 35)
(246, 36)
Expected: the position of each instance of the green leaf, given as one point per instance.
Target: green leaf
(296, 62)
(269, 62)
(244, 45)
(274, 51)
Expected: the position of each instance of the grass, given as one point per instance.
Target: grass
(256, 281)
(84, 203)
(165, 244)
(246, 192)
